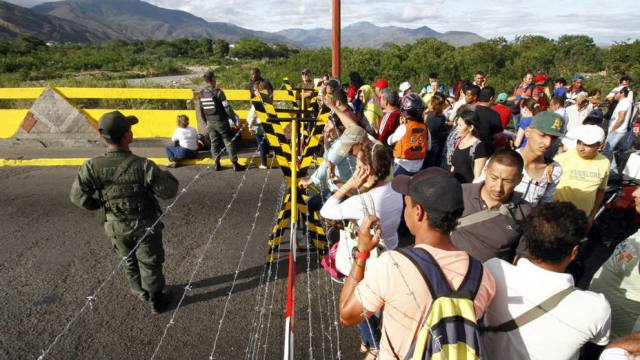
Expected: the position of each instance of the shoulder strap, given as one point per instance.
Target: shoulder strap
(549, 172)
(430, 271)
(470, 285)
(533, 313)
(477, 217)
(124, 166)
(488, 214)
(472, 151)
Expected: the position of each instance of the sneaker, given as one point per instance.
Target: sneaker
(172, 164)
(262, 167)
(217, 167)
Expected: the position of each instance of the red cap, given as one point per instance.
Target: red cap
(540, 78)
(351, 92)
(381, 84)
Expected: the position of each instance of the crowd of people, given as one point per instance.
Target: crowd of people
(454, 216)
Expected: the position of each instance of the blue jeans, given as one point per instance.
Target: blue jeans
(179, 153)
(609, 149)
(370, 334)
(263, 146)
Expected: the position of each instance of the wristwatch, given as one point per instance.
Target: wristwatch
(356, 254)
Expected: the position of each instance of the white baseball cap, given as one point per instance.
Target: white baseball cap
(589, 134)
(404, 86)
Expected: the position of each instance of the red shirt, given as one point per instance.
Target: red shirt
(504, 112)
(388, 125)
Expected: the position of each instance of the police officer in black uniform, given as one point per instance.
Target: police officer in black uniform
(216, 112)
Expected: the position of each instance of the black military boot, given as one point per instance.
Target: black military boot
(238, 167)
(218, 166)
(158, 302)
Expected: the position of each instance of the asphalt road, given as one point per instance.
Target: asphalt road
(54, 255)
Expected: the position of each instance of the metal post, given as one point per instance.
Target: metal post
(335, 43)
(293, 245)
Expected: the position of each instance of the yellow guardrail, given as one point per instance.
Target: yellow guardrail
(152, 123)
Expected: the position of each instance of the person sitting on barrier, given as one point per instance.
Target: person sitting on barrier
(400, 286)
(126, 187)
(216, 112)
(185, 142)
(368, 192)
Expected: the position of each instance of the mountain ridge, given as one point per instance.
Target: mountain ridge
(102, 20)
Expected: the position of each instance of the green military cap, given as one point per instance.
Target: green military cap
(548, 122)
(114, 124)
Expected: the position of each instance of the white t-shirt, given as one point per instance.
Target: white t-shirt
(388, 208)
(575, 116)
(186, 137)
(581, 317)
(623, 105)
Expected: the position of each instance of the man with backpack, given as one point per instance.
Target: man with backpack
(537, 312)
(413, 285)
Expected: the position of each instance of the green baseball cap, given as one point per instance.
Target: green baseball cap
(502, 98)
(549, 123)
(114, 124)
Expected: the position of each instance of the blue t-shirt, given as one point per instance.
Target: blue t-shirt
(524, 124)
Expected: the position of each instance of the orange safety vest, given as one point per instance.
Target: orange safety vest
(413, 145)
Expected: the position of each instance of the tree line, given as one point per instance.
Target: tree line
(505, 62)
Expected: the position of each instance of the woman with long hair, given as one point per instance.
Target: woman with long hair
(438, 128)
(369, 192)
(470, 154)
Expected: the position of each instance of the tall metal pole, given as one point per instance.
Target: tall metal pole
(335, 43)
(293, 245)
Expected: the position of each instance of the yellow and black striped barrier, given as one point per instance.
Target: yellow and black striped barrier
(275, 131)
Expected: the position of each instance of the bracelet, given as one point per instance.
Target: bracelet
(362, 255)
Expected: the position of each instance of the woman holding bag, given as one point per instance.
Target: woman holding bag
(367, 192)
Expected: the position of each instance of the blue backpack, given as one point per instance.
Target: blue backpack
(450, 329)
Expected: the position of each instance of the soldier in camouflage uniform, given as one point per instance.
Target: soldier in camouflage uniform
(126, 187)
(216, 112)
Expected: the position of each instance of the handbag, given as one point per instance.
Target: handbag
(349, 241)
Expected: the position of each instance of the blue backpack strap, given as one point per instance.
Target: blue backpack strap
(430, 271)
(436, 281)
(470, 285)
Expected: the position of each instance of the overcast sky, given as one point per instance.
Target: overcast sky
(603, 20)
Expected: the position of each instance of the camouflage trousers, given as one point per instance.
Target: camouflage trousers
(143, 266)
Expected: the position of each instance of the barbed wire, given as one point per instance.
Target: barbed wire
(91, 299)
(242, 253)
(200, 258)
(264, 279)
